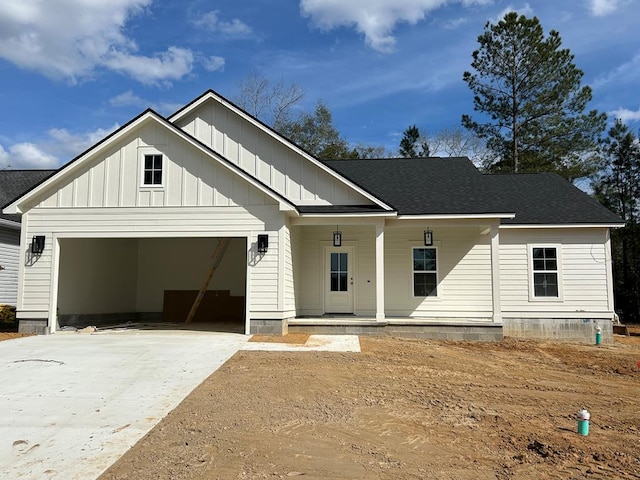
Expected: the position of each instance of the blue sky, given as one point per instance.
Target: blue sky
(74, 70)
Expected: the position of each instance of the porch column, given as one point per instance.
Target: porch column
(380, 272)
(495, 273)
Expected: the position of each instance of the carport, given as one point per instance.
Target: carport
(109, 281)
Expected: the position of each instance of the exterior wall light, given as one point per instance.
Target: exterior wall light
(37, 244)
(263, 243)
(428, 238)
(337, 238)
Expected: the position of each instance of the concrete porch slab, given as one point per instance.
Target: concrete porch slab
(315, 343)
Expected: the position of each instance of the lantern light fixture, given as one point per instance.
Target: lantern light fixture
(428, 237)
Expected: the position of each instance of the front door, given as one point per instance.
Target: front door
(338, 281)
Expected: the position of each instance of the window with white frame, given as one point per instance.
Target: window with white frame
(545, 272)
(152, 170)
(425, 272)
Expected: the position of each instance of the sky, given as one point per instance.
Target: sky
(72, 71)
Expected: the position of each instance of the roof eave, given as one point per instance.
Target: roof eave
(561, 225)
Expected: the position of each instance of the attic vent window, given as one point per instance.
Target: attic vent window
(153, 170)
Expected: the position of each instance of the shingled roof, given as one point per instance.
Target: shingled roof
(454, 186)
(14, 183)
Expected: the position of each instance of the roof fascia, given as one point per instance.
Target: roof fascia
(149, 115)
(462, 216)
(212, 95)
(561, 225)
(348, 215)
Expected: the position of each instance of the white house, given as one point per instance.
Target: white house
(425, 247)
(12, 184)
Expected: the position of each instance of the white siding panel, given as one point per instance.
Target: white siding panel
(144, 222)
(9, 259)
(191, 178)
(273, 163)
(583, 270)
(464, 274)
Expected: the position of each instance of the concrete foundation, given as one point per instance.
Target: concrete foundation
(268, 327)
(435, 331)
(33, 325)
(565, 329)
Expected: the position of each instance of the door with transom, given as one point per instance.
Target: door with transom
(338, 280)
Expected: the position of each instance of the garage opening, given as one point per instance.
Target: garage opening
(151, 282)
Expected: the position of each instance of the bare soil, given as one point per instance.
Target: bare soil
(12, 335)
(405, 409)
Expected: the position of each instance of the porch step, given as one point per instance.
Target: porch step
(467, 331)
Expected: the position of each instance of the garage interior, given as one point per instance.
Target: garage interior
(151, 282)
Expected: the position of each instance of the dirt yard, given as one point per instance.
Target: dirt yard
(405, 409)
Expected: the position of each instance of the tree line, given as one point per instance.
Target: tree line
(530, 116)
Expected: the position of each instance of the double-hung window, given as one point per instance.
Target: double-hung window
(546, 278)
(152, 170)
(425, 272)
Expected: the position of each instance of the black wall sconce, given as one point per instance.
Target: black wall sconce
(428, 238)
(337, 238)
(263, 243)
(37, 244)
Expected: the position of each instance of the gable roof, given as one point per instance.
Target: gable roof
(146, 116)
(16, 182)
(211, 95)
(454, 186)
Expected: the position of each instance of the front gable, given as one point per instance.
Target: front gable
(111, 174)
(266, 155)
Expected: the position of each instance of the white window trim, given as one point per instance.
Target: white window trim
(532, 296)
(143, 152)
(438, 294)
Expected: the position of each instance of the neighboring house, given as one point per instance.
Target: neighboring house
(425, 247)
(12, 184)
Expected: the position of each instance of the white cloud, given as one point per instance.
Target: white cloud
(525, 10)
(625, 114)
(601, 8)
(628, 72)
(129, 99)
(173, 64)
(214, 64)
(234, 28)
(58, 147)
(375, 19)
(70, 39)
(26, 155)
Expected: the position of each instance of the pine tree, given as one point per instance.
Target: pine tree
(529, 93)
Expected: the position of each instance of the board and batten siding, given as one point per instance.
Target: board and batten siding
(464, 274)
(269, 160)
(199, 198)
(583, 271)
(9, 259)
(190, 178)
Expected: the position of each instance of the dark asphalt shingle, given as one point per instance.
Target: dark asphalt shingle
(440, 186)
(14, 183)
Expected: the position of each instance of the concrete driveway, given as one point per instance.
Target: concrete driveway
(71, 404)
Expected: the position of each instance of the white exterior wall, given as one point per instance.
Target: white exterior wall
(289, 292)
(464, 274)
(97, 275)
(266, 158)
(9, 259)
(584, 280)
(310, 268)
(199, 198)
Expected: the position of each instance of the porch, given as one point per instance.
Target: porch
(426, 328)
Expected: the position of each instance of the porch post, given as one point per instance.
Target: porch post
(495, 273)
(380, 272)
